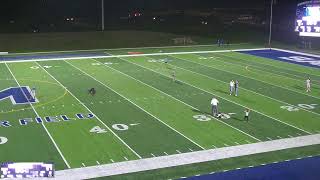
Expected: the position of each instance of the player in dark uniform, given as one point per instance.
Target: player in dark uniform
(92, 91)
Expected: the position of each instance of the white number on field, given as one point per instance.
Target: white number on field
(37, 67)
(3, 140)
(201, 117)
(302, 106)
(120, 127)
(98, 130)
(99, 64)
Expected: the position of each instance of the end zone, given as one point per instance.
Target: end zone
(299, 58)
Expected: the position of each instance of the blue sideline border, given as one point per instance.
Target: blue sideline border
(302, 169)
(287, 56)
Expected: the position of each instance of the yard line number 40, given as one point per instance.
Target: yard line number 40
(3, 140)
(118, 127)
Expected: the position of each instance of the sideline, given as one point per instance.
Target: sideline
(146, 47)
(26, 59)
(186, 158)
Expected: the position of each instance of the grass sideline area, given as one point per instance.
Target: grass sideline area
(35, 42)
(221, 165)
(140, 98)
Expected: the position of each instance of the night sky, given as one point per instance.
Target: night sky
(13, 9)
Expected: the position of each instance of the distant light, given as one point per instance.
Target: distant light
(68, 19)
(154, 18)
(72, 19)
(204, 22)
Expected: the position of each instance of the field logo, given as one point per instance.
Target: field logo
(18, 95)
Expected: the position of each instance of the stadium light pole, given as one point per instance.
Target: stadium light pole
(270, 24)
(102, 15)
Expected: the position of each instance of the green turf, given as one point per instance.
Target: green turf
(144, 113)
(221, 165)
(172, 112)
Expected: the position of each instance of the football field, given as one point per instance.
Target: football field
(140, 111)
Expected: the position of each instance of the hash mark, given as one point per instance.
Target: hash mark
(126, 158)
(98, 162)
(226, 145)
(290, 136)
(112, 160)
(248, 141)
(279, 137)
(214, 146)
(269, 138)
(153, 155)
(178, 151)
(83, 165)
(237, 143)
(190, 149)
(166, 153)
(299, 134)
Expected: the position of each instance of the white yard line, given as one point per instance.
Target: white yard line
(152, 47)
(132, 55)
(90, 111)
(176, 98)
(225, 98)
(264, 81)
(186, 158)
(257, 68)
(136, 105)
(240, 104)
(45, 128)
(261, 63)
(296, 52)
(240, 87)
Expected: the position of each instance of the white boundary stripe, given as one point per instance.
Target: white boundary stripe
(4, 53)
(136, 105)
(238, 103)
(257, 68)
(186, 158)
(296, 52)
(285, 68)
(131, 55)
(154, 47)
(178, 99)
(45, 128)
(241, 87)
(265, 82)
(90, 111)
(225, 98)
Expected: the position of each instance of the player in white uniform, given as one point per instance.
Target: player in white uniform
(231, 87)
(214, 104)
(308, 84)
(33, 92)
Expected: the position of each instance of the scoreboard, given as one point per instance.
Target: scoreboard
(26, 170)
(308, 18)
